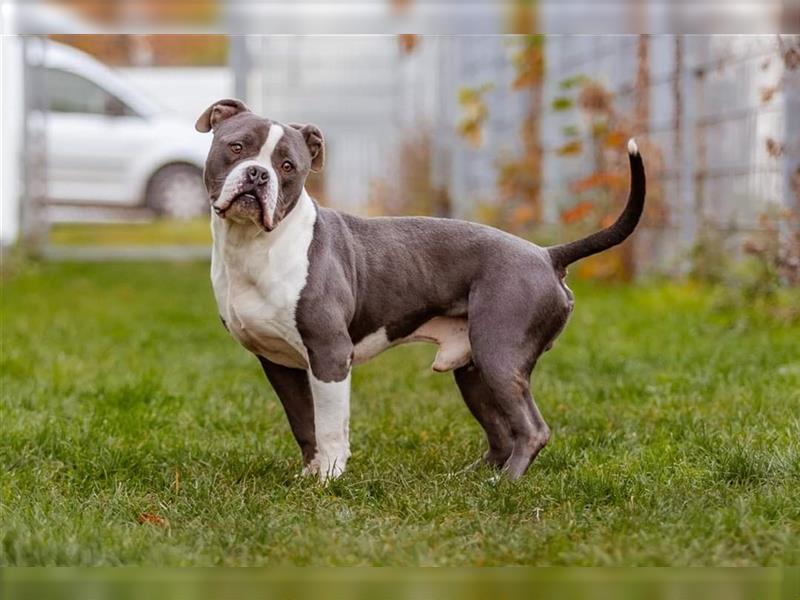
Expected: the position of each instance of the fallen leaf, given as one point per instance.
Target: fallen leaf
(153, 519)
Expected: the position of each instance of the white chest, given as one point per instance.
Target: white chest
(258, 278)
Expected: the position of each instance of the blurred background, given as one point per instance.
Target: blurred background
(524, 132)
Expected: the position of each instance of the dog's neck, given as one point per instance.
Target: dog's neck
(235, 242)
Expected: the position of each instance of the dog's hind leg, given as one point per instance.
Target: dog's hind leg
(510, 325)
(478, 398)
(529, 431)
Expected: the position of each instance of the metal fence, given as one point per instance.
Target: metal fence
(720, 117)
(716, 118)
(723, 114)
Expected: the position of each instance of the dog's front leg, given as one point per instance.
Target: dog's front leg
(330, 355)
(331, 425)
(294, 391)
(318, 413)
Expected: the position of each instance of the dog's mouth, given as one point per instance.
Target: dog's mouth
(244, 207)
(242, 202)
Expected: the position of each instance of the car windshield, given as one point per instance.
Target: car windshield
(75, 82)
(67, 92)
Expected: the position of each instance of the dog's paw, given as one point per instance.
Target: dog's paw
(324, 468)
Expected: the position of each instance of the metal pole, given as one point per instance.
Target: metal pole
(791, 98)
(33, 155)
(238, 55)
(239, 62)
(685, 142)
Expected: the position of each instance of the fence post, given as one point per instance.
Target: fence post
(239, 60)
(642, 91)
(686, 139)
(238, 51)
(33, 155)
(791, 96)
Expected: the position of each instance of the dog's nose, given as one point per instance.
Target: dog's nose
(258, 175)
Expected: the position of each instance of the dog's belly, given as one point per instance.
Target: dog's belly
(451, 334)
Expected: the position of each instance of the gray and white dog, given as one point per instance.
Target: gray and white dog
(313, 292)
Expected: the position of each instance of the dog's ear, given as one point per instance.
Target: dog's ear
(218, 112)
(315, 143)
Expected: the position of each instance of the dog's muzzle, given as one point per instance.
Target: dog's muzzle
(249, 198)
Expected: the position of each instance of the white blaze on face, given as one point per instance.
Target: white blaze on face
(234, 182)
(265, 159)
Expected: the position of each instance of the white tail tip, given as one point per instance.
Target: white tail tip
(633, 149)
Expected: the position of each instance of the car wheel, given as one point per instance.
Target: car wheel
(177, 191)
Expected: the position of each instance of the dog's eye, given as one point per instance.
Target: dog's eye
(287, 166)
(236, 147)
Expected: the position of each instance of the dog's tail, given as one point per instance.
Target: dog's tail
(566, 254)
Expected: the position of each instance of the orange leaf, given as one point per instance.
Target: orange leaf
(615, 139)
(607, 221)
(153, 519)
(605, 266)
(577, 212)
(605, 179)
(767, 93)
(407, 42)
(570, 148)
(523, 214)
(774, 148)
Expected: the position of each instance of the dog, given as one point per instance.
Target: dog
(312, 292)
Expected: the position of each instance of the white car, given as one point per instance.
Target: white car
(108, 144)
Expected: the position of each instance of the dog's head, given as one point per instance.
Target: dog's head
(256, 168)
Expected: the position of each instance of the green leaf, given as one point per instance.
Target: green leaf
(571, 82)
(562, 103)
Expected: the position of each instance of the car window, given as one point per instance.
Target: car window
(67, 92)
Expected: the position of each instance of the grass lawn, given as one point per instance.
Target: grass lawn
(160, 231)
(676, 438)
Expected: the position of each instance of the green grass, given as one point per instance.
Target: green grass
(676, 438)
(162, 231)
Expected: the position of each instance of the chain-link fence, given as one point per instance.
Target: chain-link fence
(715, 114)
(717, 117)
